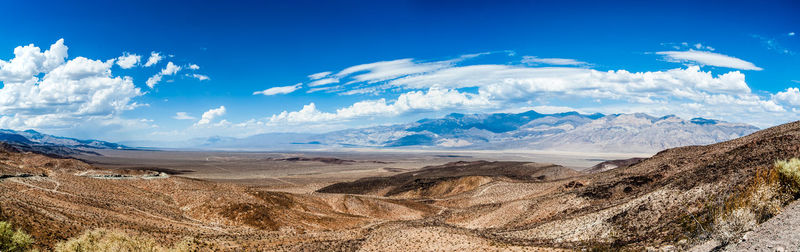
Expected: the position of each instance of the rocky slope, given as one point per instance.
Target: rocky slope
(667, 200)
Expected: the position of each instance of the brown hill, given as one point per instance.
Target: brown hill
(451, 178)
(668, 199)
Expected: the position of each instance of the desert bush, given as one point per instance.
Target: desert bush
(108, 240)
(728, 227)
(789, 171)
(13, 240)
(111, 240)
(762, 199)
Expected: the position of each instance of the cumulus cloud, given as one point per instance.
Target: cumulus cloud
(183, 116)
(434, 99)
(210, 115)
(127, 60)
(688, 92)
(790, 96)
(44, 90)
(412, 88)
(170, 69)
(194, 67)
(533, 60)
(154, 59)
(279, 90)
(709, 59)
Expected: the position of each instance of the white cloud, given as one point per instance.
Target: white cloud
(154, 59)
(791, 34)
(279, 90)
(321, 82)
(791, 96)
(77, 94)
(153, 80)
(127, 60)
(210, 115)
(29, 60)
(194, 67)
(170, 69)
(421, 88)
(183, 116)
(554, 88)
(200, 77)
(386, 70)
(434, 99)
(319, 75)
(708, 58)
(772, 44)
(533, 60)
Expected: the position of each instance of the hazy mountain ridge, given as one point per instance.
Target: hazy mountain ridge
(569, 131)
(34, 138)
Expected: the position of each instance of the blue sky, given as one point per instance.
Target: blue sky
(389, 62)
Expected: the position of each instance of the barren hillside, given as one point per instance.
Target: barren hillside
(668, 199)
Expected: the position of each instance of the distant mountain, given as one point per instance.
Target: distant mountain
(569, 131)
(36, 139)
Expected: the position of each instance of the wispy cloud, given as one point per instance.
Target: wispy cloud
(319, 75)
(533, 60)
(183, 116)
(772, 44)
(708, 59)
(322, 82)
(686, 91)
(170, 69)
(200, 77)
(279, 90)
(432, 99)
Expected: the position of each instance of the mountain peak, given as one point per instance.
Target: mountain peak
(703, 121)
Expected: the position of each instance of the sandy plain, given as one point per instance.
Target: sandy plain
(307, 171)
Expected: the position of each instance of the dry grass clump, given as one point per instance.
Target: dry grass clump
(13, 240)
(764, 198)
(111, 240)
(790, 174)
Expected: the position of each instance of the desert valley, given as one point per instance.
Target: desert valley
(399, 125)
(678, 199)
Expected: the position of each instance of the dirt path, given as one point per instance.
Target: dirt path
(781, 233)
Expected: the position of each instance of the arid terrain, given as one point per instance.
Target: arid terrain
(389, 201)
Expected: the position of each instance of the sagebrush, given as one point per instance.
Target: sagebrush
(13, 240)
(764, 198)
(113, 240)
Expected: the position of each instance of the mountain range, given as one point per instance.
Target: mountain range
(570, 131)
(31, 140)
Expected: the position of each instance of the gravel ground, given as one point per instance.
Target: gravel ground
(781, 233)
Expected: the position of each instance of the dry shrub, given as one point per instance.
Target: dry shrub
(790, 174)
(108, 240)
(111, 240)
(728, 227)
(770, 190)
(13, 240)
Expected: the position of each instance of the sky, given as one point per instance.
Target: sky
(172, 71)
